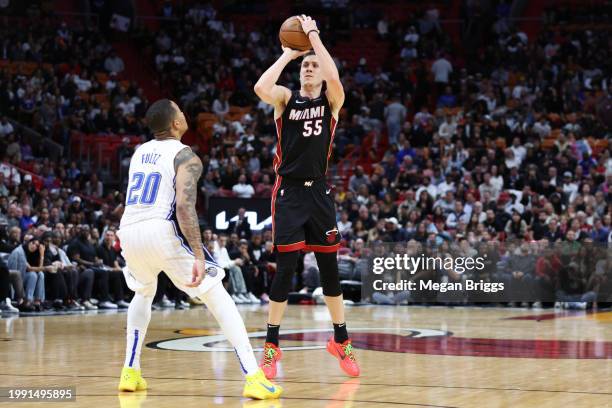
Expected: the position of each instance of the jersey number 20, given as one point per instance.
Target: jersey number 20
(143, 188)
(308, 130)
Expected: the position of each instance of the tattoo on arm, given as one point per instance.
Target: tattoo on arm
(189, 166)
(182, 157)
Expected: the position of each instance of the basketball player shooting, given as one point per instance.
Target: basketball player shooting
(160, 232)
(303, 211)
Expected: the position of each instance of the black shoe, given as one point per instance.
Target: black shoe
(26, 307)
(59, 305)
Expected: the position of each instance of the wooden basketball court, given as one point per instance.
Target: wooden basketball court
(410, 356)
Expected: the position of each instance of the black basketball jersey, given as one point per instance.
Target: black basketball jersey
(305, 135)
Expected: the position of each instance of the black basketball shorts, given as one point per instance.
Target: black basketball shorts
(304, 216)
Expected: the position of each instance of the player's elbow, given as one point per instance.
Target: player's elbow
(259, 90)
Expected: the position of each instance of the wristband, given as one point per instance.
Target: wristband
(313, 30)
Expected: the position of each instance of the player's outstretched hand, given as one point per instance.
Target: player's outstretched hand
(197, 274)
(308, 24)
(294, 53)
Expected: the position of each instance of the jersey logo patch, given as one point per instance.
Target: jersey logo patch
(331, 235)
(211, 271)
(308, 183)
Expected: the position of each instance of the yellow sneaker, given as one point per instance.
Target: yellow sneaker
(131, 380)
(257, 386)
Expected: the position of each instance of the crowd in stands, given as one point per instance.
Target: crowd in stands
(505, 140)
(61, 79)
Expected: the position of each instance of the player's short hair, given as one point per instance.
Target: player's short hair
(160, 115)
(309, 54)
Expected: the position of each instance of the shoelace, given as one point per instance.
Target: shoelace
(348, 350)
(269, 356)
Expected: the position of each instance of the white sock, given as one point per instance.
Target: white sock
(139, 315)
(223, 308)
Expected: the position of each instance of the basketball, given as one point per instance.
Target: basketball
(291, 35)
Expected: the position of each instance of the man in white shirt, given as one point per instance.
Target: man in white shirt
(448, 128)
(431, 188)
(242, 189)
(519, 150)
(446, 185)
(441, 69)
(511, 159)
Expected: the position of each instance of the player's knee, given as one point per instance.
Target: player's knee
(328, 269)
(285, 270)
(281, 285)
(331, 288)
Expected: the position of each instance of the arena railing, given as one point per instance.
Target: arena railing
(54, 150)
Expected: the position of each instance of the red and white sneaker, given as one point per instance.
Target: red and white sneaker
(272, 354)
(344, 353)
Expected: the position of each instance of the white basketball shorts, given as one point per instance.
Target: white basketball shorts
(152, 246)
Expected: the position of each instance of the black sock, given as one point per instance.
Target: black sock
(272, 335)
(340, 333)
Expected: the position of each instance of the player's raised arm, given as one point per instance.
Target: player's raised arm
(329, 71)
(188, 171)
(266, 87)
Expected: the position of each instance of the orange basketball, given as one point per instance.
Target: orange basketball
(291, 35)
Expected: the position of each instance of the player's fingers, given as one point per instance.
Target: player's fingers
(195, 283)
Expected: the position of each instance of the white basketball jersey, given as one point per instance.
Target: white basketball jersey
(151, 191)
